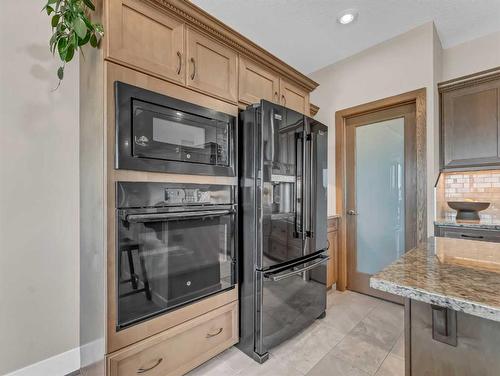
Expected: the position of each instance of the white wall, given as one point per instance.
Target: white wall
(399, 65)
(472, 56)
(39, 197)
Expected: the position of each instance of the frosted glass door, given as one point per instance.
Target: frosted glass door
(380, 194)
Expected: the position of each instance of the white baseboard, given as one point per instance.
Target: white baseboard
(59, 365)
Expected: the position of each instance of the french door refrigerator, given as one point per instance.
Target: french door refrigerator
(283, 247)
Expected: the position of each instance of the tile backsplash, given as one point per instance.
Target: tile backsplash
(476, 185)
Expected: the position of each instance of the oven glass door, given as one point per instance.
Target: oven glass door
(166, 260)
(163, 133)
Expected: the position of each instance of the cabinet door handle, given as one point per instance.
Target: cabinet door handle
(276, 97)
(283, 99)
(179, 56)
(210, 335)
(144, 370)
(472, 236)
(193, 75)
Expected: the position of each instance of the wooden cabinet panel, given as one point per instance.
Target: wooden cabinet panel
(145, 38)
(212, 67)
(293, 97)
(471, 126)
(331, 270)
(180, 349)
(256, 83)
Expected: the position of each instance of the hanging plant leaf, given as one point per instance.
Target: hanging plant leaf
(60, 73)
(72, 28)
(80, 27)
(89, 4)
(61, 48)
(55, 20)
(93, 41)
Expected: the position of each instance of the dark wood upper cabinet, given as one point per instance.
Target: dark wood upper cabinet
(470, 122)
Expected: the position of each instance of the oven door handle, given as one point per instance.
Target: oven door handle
(276, 278)
(160, 217)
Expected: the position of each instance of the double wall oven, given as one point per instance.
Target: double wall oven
(176, 244)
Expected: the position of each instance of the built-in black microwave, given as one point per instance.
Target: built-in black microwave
(158, 133)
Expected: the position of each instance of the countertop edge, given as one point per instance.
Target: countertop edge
(456, 304)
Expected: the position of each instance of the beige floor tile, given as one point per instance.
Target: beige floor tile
(274, 366)
(392, 366)
(377, 331)
(304, 352)
(399, 347)
(331, 365)
(360, 354)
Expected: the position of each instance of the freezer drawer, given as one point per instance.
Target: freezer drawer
(288, 300)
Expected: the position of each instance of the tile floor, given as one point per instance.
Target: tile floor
(359, 336)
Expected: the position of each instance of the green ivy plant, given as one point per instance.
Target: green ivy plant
(71, 29)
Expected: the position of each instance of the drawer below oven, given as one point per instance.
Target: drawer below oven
(180, 349)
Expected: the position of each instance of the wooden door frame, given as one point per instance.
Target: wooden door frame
(418, 97)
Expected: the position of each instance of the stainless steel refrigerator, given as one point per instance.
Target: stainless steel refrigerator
(283, 225)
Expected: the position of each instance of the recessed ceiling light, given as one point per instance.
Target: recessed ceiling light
(347, 16)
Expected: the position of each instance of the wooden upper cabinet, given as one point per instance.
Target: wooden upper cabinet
(470, 125)
(293, 97)
(257, 82)
(145, 38)
(211, 66)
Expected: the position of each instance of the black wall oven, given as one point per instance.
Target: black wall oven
(163, 134)
(175, 245)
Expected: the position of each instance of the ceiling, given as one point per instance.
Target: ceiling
(306, 34)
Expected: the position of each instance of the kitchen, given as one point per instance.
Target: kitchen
(151, 86)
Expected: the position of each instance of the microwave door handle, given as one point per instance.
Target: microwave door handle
(159, 217)
(276, 278)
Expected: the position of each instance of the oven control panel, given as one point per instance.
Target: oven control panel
(186, 196)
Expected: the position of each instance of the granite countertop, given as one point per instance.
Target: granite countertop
(485, 224)
(463, 275)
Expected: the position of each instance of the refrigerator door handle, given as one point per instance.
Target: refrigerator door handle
(310, 229)
(276, 278)
(297, 226)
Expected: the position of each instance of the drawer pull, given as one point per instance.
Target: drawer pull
(472, 236)
(210, 335)
(143, 370)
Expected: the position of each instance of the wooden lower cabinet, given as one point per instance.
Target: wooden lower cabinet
(331, 269)
(180, 349)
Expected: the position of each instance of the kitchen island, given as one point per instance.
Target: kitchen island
(452, 306)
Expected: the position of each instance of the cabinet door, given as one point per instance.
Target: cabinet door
(331, 270)
(147, 39)
(293, 97)
(256, 83)
(470, 126)
(212, 67)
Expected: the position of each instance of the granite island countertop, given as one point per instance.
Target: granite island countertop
(463, 275)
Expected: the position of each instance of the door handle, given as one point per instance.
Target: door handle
(310, 230)
(276, 278)
(352, 212)
(144, 370)
(193, 75)
(179, 56)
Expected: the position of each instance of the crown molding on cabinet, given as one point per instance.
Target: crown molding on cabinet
(470, 80)
(198, 18)
(313, 109)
